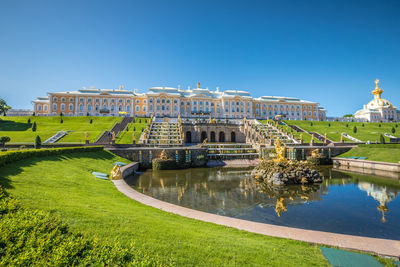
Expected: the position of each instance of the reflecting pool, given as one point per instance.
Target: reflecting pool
(344, 203)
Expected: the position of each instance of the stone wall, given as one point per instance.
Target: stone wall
(302, 152)
(197, 156)
(214, 132)
(367, 164)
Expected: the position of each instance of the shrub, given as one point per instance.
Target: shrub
(362, 125)
(34, 126)
(11, 156)
(311, 124)
(382, 139)
(347, 125)
(329, 125)
(61, 120)
(4, 140)
(32, 237)
(354, 129)
(61, 114)
(38, 142)
(393, 130)
(29, 120)
(379, 125)
(91, 121)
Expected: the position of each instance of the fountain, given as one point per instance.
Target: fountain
(280, 171)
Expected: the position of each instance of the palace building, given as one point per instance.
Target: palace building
(172, 102)
(378, 109)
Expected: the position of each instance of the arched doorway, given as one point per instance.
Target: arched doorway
(221, 137)
(233, 137)
(212, 136)
(203, 136)
(188, 137)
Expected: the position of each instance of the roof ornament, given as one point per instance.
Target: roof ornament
(198, 85)
(121, 87)
(377, 91)
(217, 89)
(91, 87)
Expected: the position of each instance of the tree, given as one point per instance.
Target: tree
(61, 120)
(354, 129)
(329, 125)
(34, 126)
(3, 107)
(29, 121)
(311, 124)
(38, 142)
(393, 130)
(4, 140)
(61, 114)
(362, 125)
(382, 139)
(379, 125)
(347, 125)
(91, 121)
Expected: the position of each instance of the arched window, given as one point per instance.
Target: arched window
(120, 108)
(39, 107)
(212, 136)
(112, 107)
(233, 137)
(81, 107)
(89, 108)
(221, 137)
(71, 107)
(203, 136)
(128, 108)
(188, 137)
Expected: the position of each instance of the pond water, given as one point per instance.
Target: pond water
(345, 202)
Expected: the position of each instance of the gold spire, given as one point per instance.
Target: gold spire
(377, 91)
(198, 85)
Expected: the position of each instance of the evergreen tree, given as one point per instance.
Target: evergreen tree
(34, 126)
(61, 120)
(354, 129)
(4, 140)
(362, 125)
(311, 124)
(38, 142)
(29, 120)
(393, 130)
(347, 125)
(329, 125)
(379, 125)
(91, 121)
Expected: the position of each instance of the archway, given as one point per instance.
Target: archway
(203, 136)
(188, 137)
(212, 136)
(221, 137)
(233, 137)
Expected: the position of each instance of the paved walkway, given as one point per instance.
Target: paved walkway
(367, 244)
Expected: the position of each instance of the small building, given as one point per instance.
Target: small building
(378, 109)
(19, 112)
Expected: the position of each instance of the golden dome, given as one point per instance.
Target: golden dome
(378, 102)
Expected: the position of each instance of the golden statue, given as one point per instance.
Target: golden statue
(205, 141)
(315, 153)
(301, 137)
(133, 137)
(280, 206)
(163, 155)
(116, 173)
(280, 150)
(312, 137)
(198, 85)
(341, 138)
(383, 208)
(113, 136)
(325, 138)
(87, 136)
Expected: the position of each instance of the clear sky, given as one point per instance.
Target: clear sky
(325, 51)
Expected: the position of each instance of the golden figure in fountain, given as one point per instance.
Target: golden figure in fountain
(116, 173)
(163, 155)
(280, 206)
(280, 150)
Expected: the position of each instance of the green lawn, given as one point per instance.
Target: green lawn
(20, 131)
(375, 152)
(371, 130)
(64, 186)
(125, 137)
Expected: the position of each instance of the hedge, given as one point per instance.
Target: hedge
(380, 145)
(11, 156)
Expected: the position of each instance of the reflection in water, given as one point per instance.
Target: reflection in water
(380, 193)
(339, 204)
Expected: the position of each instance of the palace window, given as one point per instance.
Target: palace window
(195, 103)
(120, 108)
(201, 103)
(97, 108)
(128, 108)
(89, 108)
(175, 101)
(71, 107)
(188, 109)
(188, 103)
(144, 101)
(182, 109)
(120, 100)
(54, 99)
(175, 108)
(226, 110)
(81, 108)
(105, 101)
(151, 100)
(104, 107)
(168, 101)
(182, 103)
(206, 103)
(137, 101)
(54, 106)
(112, 108)
(151, 107)
(128, 101)
(62, 99)
(71, 99)
(89, 100)
(97, 100)
(163, 101)
(158, 108)
(158, 101)
(212, 104)
(137, 108)
(162, 107)
(39, 107)
(144, 109)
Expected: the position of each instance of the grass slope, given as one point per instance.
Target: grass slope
(305, 136)
(371, 130)
(20, 131)
(375, 152)
(64, 186)
(125, 137)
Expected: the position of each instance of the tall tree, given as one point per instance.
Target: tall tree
(3, 107)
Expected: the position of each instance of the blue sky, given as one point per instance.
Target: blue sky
(324, 51)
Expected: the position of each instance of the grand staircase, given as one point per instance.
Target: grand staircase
(106, 137)
(164, 134)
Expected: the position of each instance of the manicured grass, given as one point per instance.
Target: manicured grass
(20, 131)
(370, 131)
(375, 153)
(125, 137)
(64, 186)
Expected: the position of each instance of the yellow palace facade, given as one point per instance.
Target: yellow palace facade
(172, 102)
